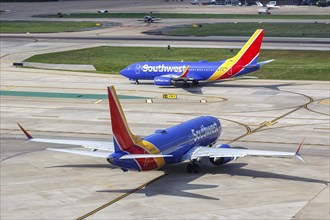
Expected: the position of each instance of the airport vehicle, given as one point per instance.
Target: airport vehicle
(103, 11)
(188, 141)
(173, 73)
(149, 19)
(263, 11)
(270, 5)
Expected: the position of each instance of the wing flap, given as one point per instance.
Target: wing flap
(199, 152)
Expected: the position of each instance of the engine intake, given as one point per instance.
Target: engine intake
(221, 160)
(163, 81)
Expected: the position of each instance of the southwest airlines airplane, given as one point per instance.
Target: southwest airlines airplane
(172, 73)
(188, 141)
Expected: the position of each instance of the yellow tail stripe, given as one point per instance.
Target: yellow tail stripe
(152, 149)
(229, 63)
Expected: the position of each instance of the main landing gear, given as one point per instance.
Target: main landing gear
(192, 167)
(187, 85)
(137, 82)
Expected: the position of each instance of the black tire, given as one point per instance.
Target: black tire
(189, 168)
(195, 83)
(186, 85)
(195, 168)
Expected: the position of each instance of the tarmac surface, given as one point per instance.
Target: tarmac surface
(258, 114)
(255, 114)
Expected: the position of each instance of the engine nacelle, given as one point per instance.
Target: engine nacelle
(163, 81)
(221, 160)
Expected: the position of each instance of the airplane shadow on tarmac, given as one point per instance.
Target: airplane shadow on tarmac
(222, 84)
(178, 182)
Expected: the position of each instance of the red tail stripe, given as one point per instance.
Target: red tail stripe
(119, 128)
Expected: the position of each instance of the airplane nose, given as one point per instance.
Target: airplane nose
(123, 72)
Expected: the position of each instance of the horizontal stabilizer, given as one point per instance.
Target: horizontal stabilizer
(81, 152)
(265, 62)
(138, 156)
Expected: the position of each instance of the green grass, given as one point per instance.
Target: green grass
(42, 26)
(195, 16)
(299, 65)
(315, 30)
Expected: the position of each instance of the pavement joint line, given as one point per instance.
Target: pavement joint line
(123, 196)
(248, 129)
(277, 118)
(4, 55)
(98, 101)
(290, 126)
(326, 186)
(321, 128)
(9, 88)
(46, 116)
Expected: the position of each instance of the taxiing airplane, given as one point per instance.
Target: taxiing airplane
(149, 19)
(188, 141)
(172, 73)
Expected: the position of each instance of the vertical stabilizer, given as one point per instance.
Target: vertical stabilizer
(246, 56)
(250, 51)
(122, 135)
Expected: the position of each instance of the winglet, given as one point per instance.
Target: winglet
(298, 149)
(25, 132)
(185, 72)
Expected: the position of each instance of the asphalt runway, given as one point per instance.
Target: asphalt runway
(130, 31)
(256, 114)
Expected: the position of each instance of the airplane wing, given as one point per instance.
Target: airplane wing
(214, 152)
(94, 145)
(182, 77)
(84, 153)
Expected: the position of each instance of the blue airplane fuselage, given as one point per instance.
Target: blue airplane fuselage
(176, 141)
(198, 70)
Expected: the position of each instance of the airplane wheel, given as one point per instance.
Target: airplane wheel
(189, 168)
(195, 168)
(195, 83)
(186, 85)
(137, 82)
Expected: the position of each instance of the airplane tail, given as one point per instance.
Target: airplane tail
(122, 135)
(247, 56)
(250, 52)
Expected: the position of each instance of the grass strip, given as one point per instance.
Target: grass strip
(314, 30)
(43, 26)
(188, 16)
(288, 64)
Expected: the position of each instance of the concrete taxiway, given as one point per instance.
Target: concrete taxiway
(259, 114)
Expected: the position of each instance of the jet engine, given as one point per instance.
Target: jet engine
(163, 81)
(221, 160)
